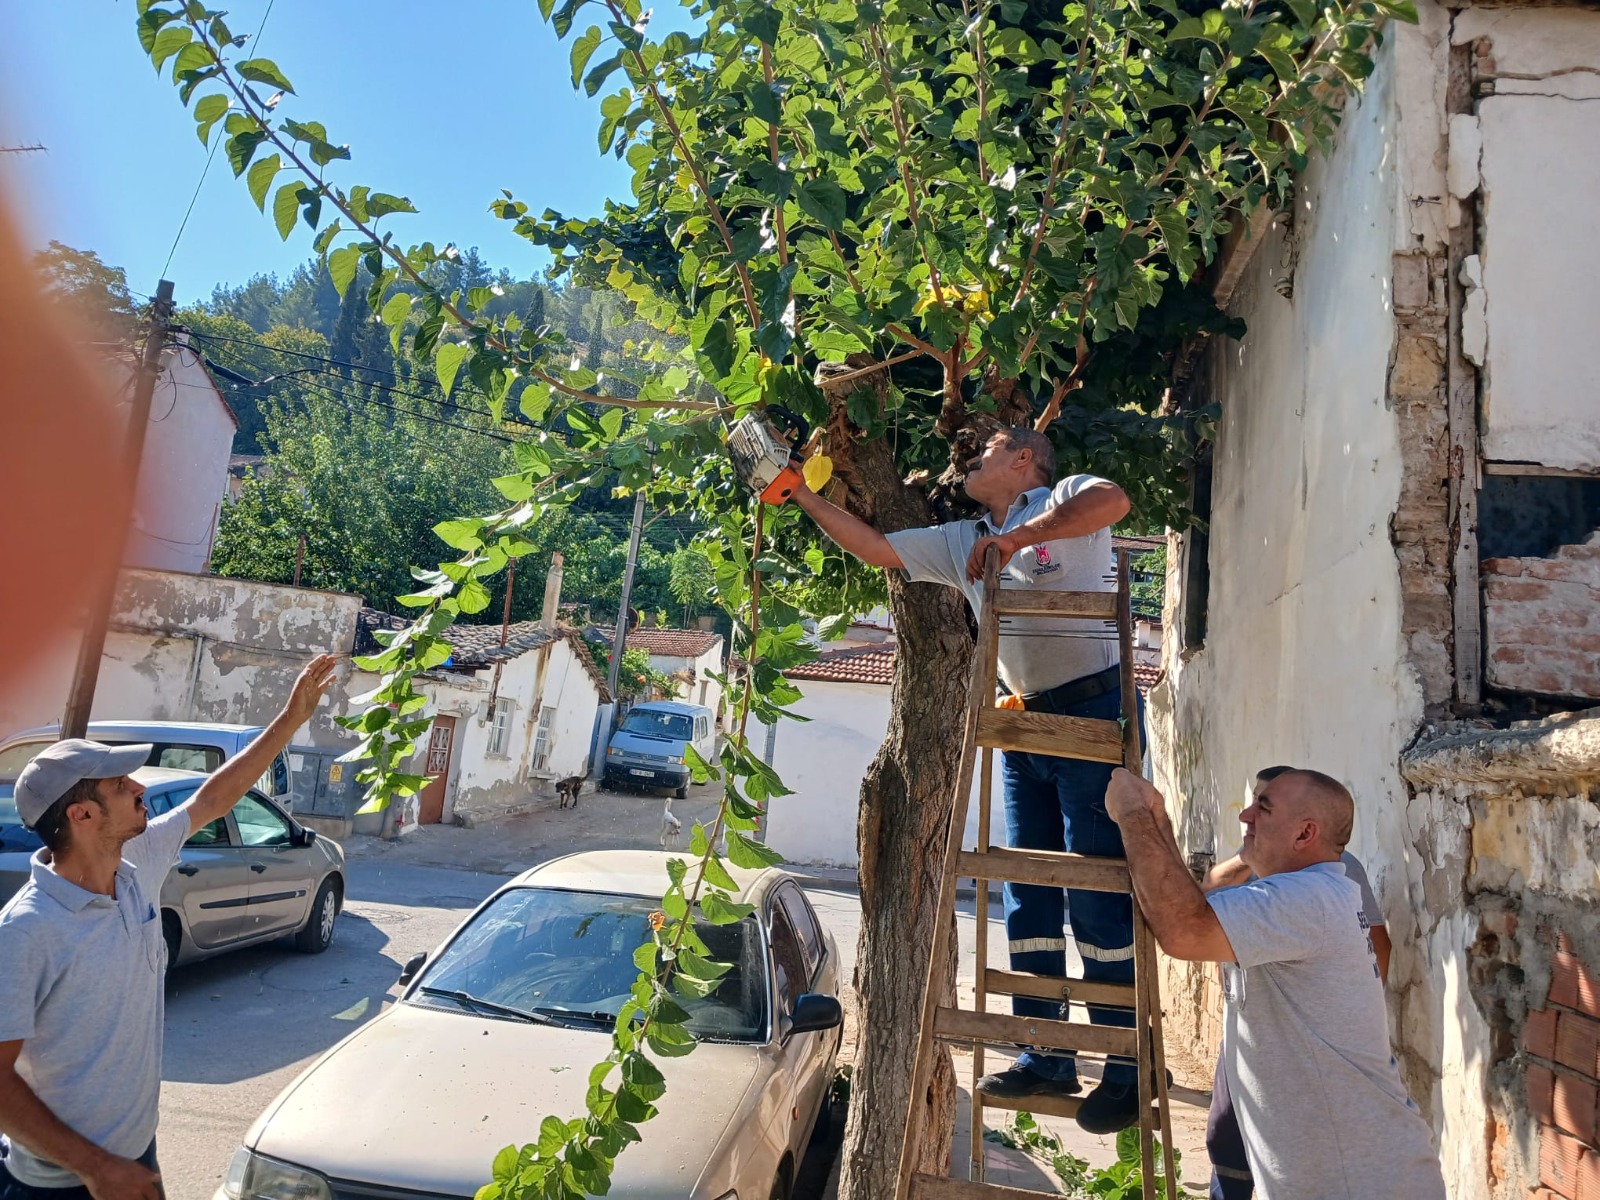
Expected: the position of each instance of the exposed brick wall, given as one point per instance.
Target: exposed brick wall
(1561, 1075)
(1420, 527)
(1542, 622)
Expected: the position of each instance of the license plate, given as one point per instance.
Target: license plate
(636, 771)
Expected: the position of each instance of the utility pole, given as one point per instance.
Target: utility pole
(621, 639)
(75, 720)
(299, 559)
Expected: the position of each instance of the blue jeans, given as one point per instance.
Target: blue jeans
(1060, 804)
(1230, 1168)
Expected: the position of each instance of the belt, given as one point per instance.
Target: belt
(1074, 691)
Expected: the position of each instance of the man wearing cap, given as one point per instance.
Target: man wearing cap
(81, 988)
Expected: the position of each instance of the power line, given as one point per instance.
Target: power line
(184, 224)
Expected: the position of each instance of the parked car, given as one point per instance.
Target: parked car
(499, 1026)
(183, 745)
(647, 749)
(247, 877)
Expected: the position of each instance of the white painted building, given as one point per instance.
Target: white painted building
(1393, 564)
(183, 475)
(690, 656)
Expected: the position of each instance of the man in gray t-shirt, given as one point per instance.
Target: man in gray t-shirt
(1306, 1035)
(83, 954)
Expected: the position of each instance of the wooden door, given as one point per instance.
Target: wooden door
(441, 743)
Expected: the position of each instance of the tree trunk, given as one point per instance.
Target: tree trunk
(901, 831)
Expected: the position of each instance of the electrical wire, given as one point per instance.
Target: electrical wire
(184, 224)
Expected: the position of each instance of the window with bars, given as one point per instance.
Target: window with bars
(499, 728)
(541, 738)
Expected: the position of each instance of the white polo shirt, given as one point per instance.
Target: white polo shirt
(1036, 653)
(81, 988)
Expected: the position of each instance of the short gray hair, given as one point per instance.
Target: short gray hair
(1020, 437)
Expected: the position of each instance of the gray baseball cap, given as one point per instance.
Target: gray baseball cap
(54, 771)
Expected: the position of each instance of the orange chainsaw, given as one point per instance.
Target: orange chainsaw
(767, 460)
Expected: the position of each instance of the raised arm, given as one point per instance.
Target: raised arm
(854, 536)
(1099, 506)
(232, 780)
(1173, 904)
(1228, 873)
(29, 1120)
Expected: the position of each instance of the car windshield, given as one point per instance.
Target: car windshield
(658, 724)
(569, 956)
(14, 758)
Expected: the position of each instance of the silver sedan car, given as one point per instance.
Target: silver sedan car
(500, 1026)
(248, 877)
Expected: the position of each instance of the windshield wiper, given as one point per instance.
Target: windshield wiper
(468, 1000)
(584, 1016)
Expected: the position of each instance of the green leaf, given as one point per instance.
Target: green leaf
(720, 911)
(397, 309)
(285, 208)
(611, 422)
(168, 42)
(447, 360)
(260, 179)
(208, 110)
(343, 264)
(460, 534)
(473, 597)
(596, 79)
(669, 1041)
(1400, 10)
(264, 70)
(824, 200)
(743, 852)
(582, 50)
(381, 204)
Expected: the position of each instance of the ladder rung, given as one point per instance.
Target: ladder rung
(1048, 733)
(1050, 987)
(1003, 1030)
(1047, 868)
(1040, 1102)
(937, 1187)
(1026, 602)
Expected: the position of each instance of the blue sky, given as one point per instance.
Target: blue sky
(446, 103)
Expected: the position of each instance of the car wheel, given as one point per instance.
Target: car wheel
(780, 1185)
(681, 793)
(317, 932)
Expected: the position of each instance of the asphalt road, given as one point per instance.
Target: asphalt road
(241, 1026)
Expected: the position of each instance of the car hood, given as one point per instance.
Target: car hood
(423, 1100)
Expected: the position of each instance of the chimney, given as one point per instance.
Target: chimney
(552, 592)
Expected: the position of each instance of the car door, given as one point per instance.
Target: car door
(210, 886)
(281, 873)
(815, 1073)
(795, 1054)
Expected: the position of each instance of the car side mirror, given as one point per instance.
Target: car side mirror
(814, 1011)
(413, 965)
(304, 837)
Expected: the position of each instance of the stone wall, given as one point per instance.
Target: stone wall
(1509, 931)
(1542, 622)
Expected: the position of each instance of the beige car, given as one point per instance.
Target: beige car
(500, 1026)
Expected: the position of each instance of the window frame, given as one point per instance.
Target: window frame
(802, 917)
(543, 727)
(273, 810)
(777, 914)
(499, 745)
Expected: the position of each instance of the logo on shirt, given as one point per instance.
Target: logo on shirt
(1043, 564)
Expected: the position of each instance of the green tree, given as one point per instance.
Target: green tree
(907, 222)
(93, 295)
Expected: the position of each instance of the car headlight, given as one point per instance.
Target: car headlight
(678, 759)
(252, 1176)
(612, 752)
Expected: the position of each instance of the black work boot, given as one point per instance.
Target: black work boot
(1019, 1081)
(1111, 1107)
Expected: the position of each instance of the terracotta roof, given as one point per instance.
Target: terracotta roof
(1146, 677)
(666, 643)
(475, 646)
(869, 664)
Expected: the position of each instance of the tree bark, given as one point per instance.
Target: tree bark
(904, 816)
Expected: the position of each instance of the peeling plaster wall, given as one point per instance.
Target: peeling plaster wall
(1540, 175)
(1306, 658)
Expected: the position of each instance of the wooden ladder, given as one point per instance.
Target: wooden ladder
(988, 729)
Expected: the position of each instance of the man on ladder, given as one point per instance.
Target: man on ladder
(1054, 538)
